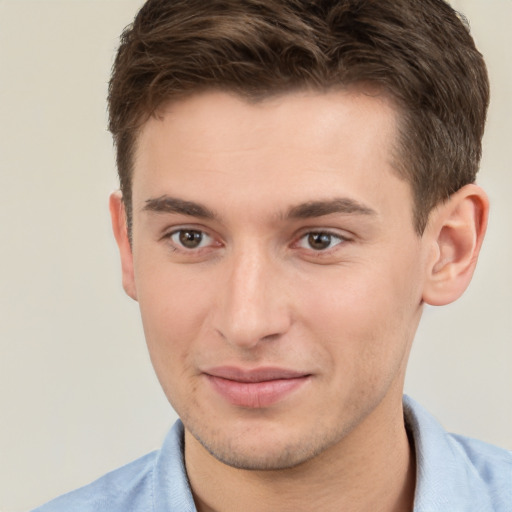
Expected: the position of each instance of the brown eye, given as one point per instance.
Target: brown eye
(189, 238)
(319, 241)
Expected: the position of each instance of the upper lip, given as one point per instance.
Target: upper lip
(260, 374)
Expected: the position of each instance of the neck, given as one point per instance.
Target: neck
(369, 469)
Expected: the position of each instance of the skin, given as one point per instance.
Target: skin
(306, 260)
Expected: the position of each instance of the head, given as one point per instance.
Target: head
(296, 183)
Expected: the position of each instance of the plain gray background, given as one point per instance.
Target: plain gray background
(77, 392)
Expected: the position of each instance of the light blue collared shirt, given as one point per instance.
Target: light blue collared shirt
(454, 474)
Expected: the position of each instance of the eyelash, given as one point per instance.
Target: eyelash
(325, 236)
(178, 245)
(322, 234)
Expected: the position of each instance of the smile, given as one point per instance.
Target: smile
(255, 389)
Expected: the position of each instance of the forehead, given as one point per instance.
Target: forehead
(290, 147)
(284, 118)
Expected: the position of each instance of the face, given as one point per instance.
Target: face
(277, 269)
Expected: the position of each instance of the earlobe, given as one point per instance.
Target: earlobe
(456, 229)
(119, 226)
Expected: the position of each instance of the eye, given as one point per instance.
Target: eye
(319, 240)
(190, 239)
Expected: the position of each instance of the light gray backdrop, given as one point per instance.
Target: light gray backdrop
(77, 392)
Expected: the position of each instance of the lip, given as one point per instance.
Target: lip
(255, 388)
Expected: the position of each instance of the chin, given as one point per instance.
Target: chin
(256, 452)
(277, 458)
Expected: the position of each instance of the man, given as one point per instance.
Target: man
(297, 180)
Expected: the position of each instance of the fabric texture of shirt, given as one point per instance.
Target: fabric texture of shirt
(454, 474)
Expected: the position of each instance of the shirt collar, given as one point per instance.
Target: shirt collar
(171, 487)
(446, 476)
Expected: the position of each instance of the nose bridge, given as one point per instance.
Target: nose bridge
(252, 307)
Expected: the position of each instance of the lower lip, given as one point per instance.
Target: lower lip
(256, 395)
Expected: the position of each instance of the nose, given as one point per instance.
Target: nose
(253, 305)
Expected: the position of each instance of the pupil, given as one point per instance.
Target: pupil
(319, 241)
(191, 239)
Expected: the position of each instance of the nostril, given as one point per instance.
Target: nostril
(271, 337)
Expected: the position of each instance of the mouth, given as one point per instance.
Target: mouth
(256, 388)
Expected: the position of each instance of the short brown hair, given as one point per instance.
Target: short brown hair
(418, 52)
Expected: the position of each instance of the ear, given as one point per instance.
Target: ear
(456, 230)
(120, 228)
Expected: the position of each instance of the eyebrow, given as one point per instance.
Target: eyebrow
(167, 204)
(320, 208)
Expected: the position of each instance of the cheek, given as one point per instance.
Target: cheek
(173, 306)
(365, 315)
